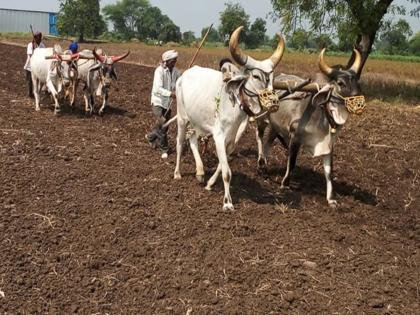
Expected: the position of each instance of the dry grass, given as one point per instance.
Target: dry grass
(382, 79)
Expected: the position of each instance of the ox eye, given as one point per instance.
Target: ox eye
(256, 77)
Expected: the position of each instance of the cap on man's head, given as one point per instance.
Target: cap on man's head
(169, 54)
(74, 47)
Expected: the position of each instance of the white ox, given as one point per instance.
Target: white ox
(50, 66)
(211, 106)
(99, 79)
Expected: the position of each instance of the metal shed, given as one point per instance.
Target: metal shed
(12, 20)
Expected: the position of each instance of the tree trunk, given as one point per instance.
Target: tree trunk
(81, 38)
(364, 46)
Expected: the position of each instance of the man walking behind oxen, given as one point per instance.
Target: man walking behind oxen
(163, 94)
(35, 43)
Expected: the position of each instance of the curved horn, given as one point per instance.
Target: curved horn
(99, 57)
(325, 69)
(278, 53)
(118, 58)
(357, 61)
(235, 51)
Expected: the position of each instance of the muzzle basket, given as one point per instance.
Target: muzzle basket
(269, 100)
(355, 104)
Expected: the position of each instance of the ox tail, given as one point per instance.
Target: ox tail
(170, 121)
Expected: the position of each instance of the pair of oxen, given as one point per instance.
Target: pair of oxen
(61, 72)
(297, 112)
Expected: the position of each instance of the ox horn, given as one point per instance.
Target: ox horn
(235, 51)
(278, 53)
(118, 58)
(97, 56)
(357, 61)
(325, 69)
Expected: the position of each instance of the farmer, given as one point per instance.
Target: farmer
(35, 43)
(163, 94)
(74, 47)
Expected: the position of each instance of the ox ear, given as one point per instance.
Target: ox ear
(235, 82)
(95, 67)
(114, 75)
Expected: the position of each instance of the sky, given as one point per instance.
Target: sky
(193, 15)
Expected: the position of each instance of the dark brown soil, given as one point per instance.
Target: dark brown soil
(92, 221)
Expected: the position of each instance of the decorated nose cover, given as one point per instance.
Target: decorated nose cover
(355, 104)
(269, 100)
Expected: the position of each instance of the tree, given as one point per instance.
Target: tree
(363, 18)
(256, 34)
(170, 33)
(188, 37)
(125, 15)
(151, 23)
(414, 44)
(299, 39)
(213, 36)
(394, 37)
(137, 18)
(80, 18)
(232, 17)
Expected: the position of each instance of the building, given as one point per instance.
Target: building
(12, 20)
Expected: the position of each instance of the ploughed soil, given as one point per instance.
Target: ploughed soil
(92, 221)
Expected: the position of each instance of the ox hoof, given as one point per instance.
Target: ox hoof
(37, 109)
(333, 203)
(200, 178)
(209, 188)
(228, 207)
(57, 111)
(177, 176)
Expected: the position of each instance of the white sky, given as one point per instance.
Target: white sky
(193, 14)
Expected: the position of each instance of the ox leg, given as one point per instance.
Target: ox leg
(87, 96)
(291, 162)
(180, 138)
(259, 134)
(226, 173)
(198, 162)
(328, 171)
(214, 177)
(73, 94)
(37, 88)
(104, 102)
(54, 94)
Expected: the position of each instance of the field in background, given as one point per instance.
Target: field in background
(387, 80)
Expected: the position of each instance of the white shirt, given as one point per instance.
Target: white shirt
(163, 84)
(29, 52)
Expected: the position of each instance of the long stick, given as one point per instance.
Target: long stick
(199, 47)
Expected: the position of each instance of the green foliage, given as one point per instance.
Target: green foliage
(394, 37)
(138, 19)
(213, 36)
(125, 14)
(256, 33)
(150, 24)
(188, 38)
(232, 17)
(170, 33)
(414, 44)
(80, 18)
(299, 39)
